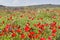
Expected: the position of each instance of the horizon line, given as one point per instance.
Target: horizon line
(30, 5)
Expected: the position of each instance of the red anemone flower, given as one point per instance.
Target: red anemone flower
(42, 39)
(22, 36)
(13, 35)
(18, 30)
(26, 28)
(54, 31)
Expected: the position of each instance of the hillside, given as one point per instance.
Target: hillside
(32, 6)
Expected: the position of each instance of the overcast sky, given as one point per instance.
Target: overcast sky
(27, 2)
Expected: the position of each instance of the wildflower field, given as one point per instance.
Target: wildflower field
(32, 25)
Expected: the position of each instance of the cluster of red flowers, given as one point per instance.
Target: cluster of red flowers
(28, 31)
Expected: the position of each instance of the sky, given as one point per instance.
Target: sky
(27, 2)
